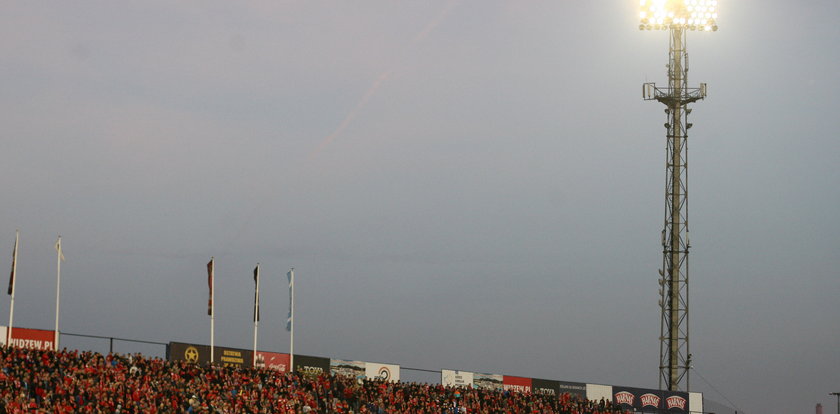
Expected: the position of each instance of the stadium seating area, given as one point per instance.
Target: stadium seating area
(34, 381)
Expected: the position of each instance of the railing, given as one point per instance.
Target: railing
(651, 92)
(112, 339)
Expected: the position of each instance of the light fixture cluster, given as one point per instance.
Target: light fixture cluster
(688, 14)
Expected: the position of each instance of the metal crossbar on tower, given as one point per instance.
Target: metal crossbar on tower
(677, 17)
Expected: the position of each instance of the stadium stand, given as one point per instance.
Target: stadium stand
(38, 381)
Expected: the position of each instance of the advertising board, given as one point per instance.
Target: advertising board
(346, 368)
(233, 357)
(387, 372)
(273, 360)
(594, 392)
(675, 401)
(29, 338)
(200, 354)
(312, 365)
(650, 400)
(551, 387)
(516, 384)
(488, 381)
(695, 402)
(545, 387)
(196, 354)
(573, 388)
(450, 378)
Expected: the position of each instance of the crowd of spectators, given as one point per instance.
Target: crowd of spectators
(34, 381)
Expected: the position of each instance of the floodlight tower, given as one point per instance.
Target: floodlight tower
(677, 17)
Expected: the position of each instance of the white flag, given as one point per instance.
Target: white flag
(58, 249)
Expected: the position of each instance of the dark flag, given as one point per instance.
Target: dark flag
(257, 293)
(210, 285)
(14, 260)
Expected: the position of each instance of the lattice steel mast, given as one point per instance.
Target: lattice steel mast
(676, 16)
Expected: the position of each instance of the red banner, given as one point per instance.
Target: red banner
(273, 360)
(516, 384)
(33, 338)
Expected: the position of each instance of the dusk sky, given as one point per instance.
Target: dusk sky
(459, 184)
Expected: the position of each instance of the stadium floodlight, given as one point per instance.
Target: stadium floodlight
(678, 17)
(687, 14)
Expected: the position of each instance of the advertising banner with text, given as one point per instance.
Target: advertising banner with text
(387, 372)
(675, 401)
(516, 384)
(573, 388)
(29, 338)
(312, 365)
(273, 360)
(450, 378)
(233, 357)
(551, 387)
(649, 400)
(200, 354)
(546, 387)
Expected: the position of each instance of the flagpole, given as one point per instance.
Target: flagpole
(292, 319)
(212, 307)
(256, 311)
(57, 287)
(12, 292)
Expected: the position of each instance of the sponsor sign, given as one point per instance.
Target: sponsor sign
(312, 365)
(450, 378)
(676, 402)
(550, 387)
(200, 354)
(29, 338)
(649, 400)
(273, 360)
(624, 398)
(353, 369)
(573, 388)
(546, 387)
(516, 384)
(387, 372)
(488, 381)
(196, 354)
(232, 357)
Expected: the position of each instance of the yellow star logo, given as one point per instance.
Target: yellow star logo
(191, 355)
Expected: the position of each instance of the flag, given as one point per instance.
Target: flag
(257, 293)
(210, 285)
(290, 276)
(58, 249)
(14, 259)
